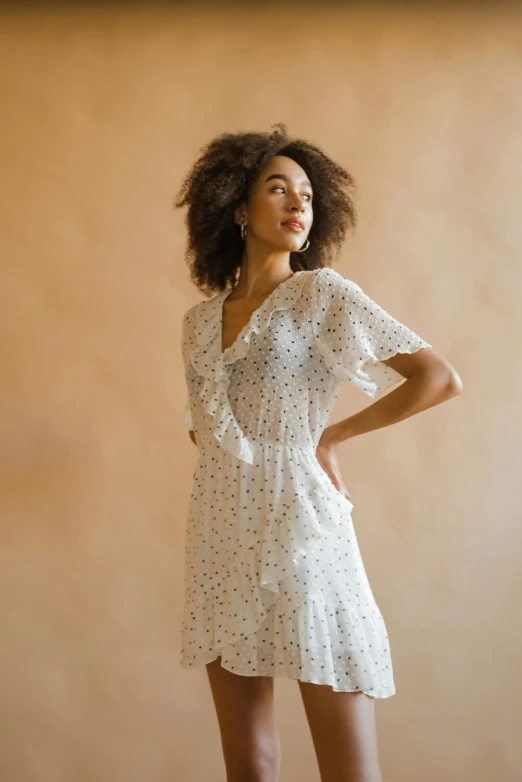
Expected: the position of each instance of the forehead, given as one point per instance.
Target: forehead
(284, 168)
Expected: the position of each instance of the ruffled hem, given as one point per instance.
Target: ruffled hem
(373, 376)
(297, 638)
(210, 362)
(288, 671)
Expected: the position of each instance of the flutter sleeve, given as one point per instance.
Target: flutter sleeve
(354, 335)
(187, 343)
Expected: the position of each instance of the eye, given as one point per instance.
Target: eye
(280, 187)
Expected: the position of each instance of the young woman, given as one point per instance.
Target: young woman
(274, 581)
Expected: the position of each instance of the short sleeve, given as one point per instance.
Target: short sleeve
(187, 344)
(354, 335)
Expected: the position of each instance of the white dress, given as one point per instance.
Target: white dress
(274, 580)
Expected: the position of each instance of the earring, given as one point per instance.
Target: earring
(305, 247)
(243, 231)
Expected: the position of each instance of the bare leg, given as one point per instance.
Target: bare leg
(343, 733)
(245, 711)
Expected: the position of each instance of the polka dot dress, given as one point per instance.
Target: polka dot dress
(274, 580)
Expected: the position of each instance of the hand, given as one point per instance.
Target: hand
(327, 457)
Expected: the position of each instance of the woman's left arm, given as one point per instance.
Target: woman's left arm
(430, 380)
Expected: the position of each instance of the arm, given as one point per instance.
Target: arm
(367, 346)
(430, 380)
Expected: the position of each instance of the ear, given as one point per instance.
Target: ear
(239, 214)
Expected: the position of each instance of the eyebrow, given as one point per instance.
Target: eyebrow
(287, 179)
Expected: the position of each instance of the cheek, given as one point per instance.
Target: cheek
(266, 216)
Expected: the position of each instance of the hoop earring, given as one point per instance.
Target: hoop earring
(305, 247)
(243, 231)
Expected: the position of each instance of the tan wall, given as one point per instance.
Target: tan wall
(102, 115)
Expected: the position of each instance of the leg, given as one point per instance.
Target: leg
(245, 712)
(343, 733)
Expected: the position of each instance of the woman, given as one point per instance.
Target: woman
(274, 581)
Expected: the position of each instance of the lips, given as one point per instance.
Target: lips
(295, 225)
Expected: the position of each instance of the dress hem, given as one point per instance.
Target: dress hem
(383, 692)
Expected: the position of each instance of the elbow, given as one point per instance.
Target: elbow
(454, 384)
(443, 383)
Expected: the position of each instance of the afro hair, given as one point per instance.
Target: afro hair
(219, 181)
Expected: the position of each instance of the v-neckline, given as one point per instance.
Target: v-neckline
(246, 327)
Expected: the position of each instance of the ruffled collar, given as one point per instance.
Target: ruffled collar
(210, 361)
(209, 316)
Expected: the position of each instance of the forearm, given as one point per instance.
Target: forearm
(419, 392)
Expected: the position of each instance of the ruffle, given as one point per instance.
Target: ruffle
(260, 591)
(210, 362)
(371, 376)
(308, 507)
(230, 608)
(363, 666)
(354, 335)
(236, 601)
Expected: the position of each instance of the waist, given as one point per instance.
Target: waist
(259, 446)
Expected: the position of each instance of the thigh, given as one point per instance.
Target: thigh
(246, 716)
(344, 733)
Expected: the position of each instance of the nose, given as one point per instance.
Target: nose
(298, 203)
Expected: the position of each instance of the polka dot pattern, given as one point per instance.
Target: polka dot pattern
(274, 580)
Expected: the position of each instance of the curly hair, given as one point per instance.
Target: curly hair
(220, 180)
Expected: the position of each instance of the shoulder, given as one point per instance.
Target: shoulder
(189, 321)
(328, 276)
(198, 310)
(204, 306)
(202, 319)
(190, 313)
(329, 284)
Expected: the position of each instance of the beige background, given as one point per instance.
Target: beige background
(103, 113)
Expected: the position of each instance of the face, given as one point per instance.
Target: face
(281, 193)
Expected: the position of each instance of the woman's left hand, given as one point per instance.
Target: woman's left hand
(327, 457)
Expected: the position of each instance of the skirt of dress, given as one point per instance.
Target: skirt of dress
(274, 580)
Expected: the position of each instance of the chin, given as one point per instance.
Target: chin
(286, 243)
(285, 247)
(294, 245)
